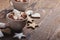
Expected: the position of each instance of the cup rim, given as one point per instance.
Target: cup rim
(13, 19)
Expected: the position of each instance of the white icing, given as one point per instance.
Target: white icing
(2, 25)
(19, 35)
(35, 15)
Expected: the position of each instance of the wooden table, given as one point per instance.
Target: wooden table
(47, 23)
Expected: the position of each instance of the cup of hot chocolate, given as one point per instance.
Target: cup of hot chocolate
(17, 23)
(21, 5)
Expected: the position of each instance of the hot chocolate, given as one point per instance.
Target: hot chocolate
(20, 0)
(20, 16)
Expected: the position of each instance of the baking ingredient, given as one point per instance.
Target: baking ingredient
(23, 14)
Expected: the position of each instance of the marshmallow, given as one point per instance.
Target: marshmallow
(15, 17)
(23, 14)
(16, 14)
(2, 25)
(16, 11)
(23, 0)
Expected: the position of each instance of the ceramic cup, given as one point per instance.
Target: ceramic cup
(22, 6)
(16, 24)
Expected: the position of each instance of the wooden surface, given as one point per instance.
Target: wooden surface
(48, 23)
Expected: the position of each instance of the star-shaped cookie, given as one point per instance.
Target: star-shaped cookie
(19, 35)
(32, 25)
